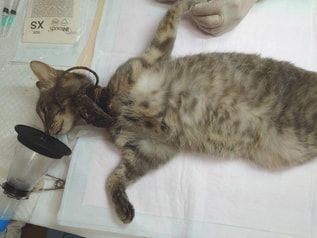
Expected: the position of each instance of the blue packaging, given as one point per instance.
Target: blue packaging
(3, 225)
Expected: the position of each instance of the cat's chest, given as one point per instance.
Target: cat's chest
(149, 84)
(149, 93)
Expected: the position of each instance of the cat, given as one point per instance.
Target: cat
(216, 103)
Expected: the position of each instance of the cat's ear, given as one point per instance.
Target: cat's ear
(46, 75)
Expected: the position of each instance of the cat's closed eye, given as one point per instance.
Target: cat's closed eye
(44, 109)
(58, 111)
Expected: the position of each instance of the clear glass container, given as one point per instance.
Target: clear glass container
(35, 153)
(27, 168)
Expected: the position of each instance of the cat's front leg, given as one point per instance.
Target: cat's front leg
(90, 111)
(138, 157)
(162, 44)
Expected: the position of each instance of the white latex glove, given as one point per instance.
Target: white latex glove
(216, 17)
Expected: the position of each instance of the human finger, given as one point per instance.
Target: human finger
(166, 0)
(211, 31)
(206, 9)
(212, 21)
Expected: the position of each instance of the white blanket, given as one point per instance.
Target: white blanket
(195, 196)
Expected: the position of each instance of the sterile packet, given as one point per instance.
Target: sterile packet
(52, 21)
(54, 31)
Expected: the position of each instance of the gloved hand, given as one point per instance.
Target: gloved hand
(216, 17)
(219, 16)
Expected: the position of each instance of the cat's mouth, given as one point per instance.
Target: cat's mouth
(52, 130)
(60, 128)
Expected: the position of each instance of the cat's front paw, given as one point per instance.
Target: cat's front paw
(123, 207)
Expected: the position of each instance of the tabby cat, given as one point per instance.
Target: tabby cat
(217, 103)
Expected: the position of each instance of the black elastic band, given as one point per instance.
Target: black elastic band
(13, 192)
(82, 67)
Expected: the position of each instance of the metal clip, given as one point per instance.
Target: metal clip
(58, 184)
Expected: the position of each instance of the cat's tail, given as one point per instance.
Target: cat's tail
(162, 44)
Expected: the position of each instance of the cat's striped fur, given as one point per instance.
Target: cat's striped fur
(218, 103)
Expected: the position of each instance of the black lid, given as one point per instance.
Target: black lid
(41, 143)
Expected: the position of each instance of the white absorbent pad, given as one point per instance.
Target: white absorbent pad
(198, 196)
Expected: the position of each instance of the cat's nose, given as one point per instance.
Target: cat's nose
(47, 131)
(51, 130)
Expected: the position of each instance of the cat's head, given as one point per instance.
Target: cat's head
(54, 105)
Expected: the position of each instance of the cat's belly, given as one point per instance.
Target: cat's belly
(263, 145)
(220, 114)
(240, 131)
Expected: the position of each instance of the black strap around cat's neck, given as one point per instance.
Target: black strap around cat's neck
(84, 68)
(90, 89)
